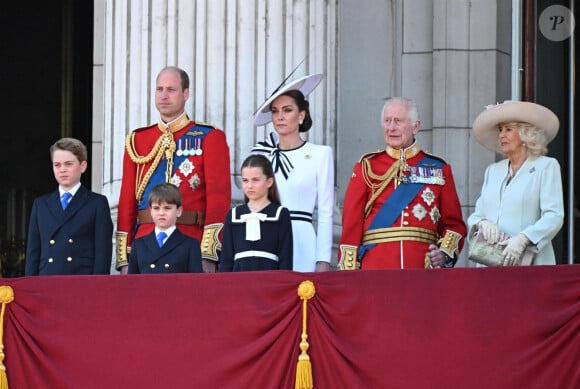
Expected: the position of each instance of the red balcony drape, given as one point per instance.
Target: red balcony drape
(448, 328)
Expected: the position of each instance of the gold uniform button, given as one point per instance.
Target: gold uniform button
(152, 266)
(69, 259)
(51, 241)
(406, 214)
(166, 266)
(70, 241)
(406, 223)
(50, 260)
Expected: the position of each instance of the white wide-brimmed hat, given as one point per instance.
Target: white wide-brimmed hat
(304, 84)
(485, 126)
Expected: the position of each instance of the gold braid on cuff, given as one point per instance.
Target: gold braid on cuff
(122, 250)
(449, 244)
(210, 242)
(348, 257)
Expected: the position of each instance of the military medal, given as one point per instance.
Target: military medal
(194, 182)
(179, 151)
(435, 214)
(423, 175)
(175, 180)
(428, 196)
(198, 150)
(403, 169)
(419, 212)
(186, 167)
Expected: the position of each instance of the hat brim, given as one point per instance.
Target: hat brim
(304, 84)
(485, 126)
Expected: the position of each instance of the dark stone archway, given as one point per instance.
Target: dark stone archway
(46, 74)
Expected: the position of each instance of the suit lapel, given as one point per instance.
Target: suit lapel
(60, 217)
(56, 216)
(525, 170)
(173, 241)
(54, 206)
(152, 247)
(77, 202)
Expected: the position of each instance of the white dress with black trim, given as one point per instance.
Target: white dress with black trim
(257, 240)
(305, 180)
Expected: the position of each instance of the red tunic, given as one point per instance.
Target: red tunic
(204, 183)
(434, 212)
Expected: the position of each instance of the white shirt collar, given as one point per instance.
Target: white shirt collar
(73, 191)
(168, 231)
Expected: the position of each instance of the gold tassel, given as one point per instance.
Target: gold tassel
(6, 297)
(304, 379)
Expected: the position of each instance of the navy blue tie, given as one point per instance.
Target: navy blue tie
(160, 238)
(64, 200)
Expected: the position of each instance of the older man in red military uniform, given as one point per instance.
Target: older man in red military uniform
(191, 155)
(401, 208)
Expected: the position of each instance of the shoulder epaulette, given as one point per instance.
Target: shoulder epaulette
(371, 154)
(435, 156)
(145, 128)
(204, 125)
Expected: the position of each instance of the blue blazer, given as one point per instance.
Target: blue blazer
(179, 254)
(78, 240)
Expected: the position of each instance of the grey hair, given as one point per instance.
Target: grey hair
(410, 104)
(534, 139)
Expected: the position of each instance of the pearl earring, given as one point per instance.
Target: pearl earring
(300, 122)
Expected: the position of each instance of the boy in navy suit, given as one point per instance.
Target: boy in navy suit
(70, 230)
(166, 249)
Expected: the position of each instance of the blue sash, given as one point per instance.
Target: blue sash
(194, 133)
(397, 201)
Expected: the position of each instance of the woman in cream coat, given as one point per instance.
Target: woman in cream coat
(522, 194)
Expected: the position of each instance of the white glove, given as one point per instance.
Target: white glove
(514, 247)
(489, 230)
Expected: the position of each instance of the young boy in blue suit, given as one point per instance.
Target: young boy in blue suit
(70, 230)
(166, 249)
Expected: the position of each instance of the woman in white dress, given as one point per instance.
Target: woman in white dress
(304, 172)
(522, 194)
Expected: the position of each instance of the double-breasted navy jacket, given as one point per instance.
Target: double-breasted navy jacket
(179, 254)
(78, 240)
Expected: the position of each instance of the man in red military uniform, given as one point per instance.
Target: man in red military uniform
(401, 208)
(192, 156)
